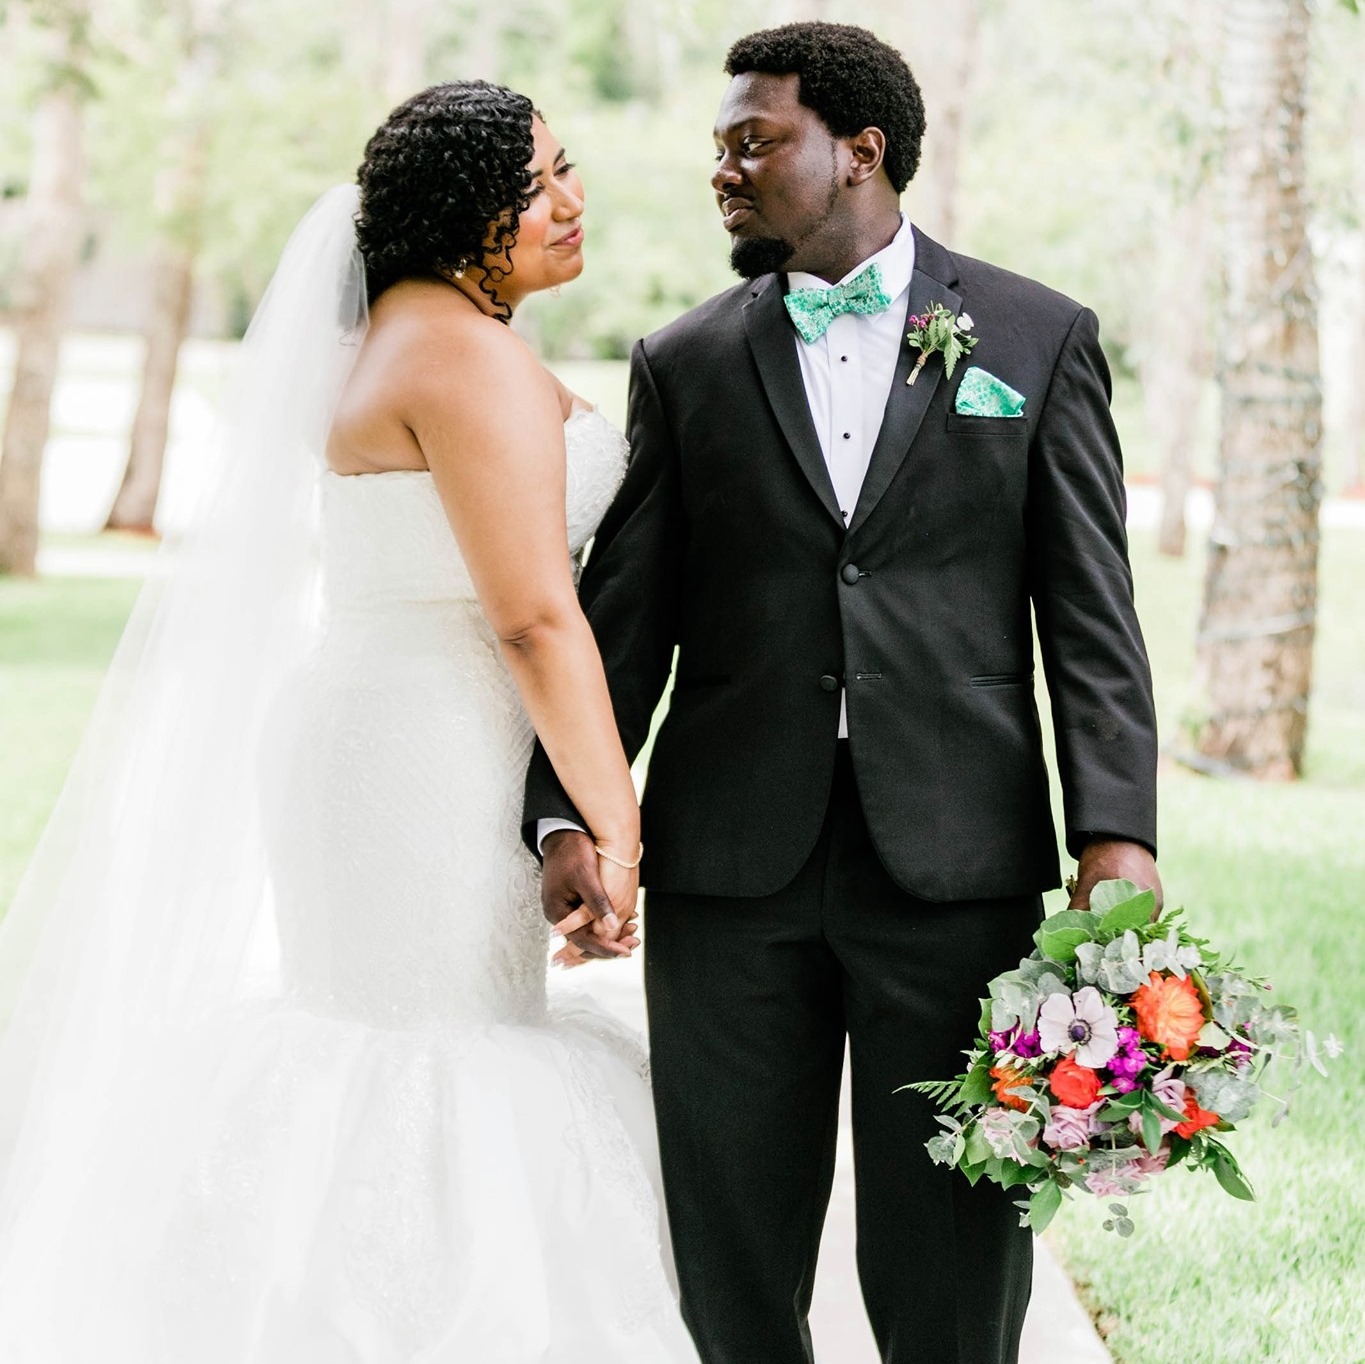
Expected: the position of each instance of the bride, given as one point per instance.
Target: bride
(279, 1079)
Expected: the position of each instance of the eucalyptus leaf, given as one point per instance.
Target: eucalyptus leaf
(1231, 1097)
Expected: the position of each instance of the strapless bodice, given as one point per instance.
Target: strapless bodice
(386, 539)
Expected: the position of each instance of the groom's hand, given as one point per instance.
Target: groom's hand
(571, 891)
(1112, 859)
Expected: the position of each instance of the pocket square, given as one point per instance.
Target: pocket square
(983, 395)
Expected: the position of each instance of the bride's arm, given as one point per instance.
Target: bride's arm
(487, 417)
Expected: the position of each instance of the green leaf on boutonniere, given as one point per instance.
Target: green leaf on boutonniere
(939, 331)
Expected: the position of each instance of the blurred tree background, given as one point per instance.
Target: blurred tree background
(154, 155)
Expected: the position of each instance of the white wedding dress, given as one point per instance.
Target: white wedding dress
(406, 1155)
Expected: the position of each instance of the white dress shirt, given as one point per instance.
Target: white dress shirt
(847, 373)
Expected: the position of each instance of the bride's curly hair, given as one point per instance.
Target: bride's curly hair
(444, 184)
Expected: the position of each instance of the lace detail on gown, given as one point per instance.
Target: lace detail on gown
(410, 1155)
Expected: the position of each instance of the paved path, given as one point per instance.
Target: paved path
(1057, 1330)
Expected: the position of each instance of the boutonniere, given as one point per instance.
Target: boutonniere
(939, 330)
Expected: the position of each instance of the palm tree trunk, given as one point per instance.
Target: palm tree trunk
(1255, 643)
(51, 254)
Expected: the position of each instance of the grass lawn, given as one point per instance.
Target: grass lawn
(1274, 872)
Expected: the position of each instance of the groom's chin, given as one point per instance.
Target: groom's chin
(751, 257)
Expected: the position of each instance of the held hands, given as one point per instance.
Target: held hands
(1112, 859)
(590, 901)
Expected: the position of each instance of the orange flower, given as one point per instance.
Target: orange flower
(1169, 1013)
(1077, 1086)
(1007, 1079)
(1195, 1117)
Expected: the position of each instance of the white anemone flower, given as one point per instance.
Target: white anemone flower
(1082, 1024)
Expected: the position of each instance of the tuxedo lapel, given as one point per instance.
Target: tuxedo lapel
(773, 342)
(907, 403)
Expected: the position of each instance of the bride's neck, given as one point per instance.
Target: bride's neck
(488, 301)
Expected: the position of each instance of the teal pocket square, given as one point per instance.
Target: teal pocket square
(983, 395)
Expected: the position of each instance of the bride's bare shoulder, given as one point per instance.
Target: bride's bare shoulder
(438, 348)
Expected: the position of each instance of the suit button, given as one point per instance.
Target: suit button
(849, 573)
(829, 683)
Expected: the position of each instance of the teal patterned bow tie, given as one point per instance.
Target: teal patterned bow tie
(812, 310)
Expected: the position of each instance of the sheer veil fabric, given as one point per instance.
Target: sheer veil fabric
(139, 910)
(145, 908)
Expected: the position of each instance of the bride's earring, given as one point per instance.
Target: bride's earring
(555, 290)
(461, 266)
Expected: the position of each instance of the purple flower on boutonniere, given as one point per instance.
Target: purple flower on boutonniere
(939, 331)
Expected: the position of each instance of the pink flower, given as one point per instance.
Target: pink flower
(1171, 1092)
(1126, 1173)
(1070, 1129)
(997, 1126)
(1107, 1184)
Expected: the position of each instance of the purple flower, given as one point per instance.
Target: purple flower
(1070, 1129)
(1025, 1044)
(1127, 1061)
(1081, 1024)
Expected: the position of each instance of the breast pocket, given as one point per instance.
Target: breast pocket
(998, 428)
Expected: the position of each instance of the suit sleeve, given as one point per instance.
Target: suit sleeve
(1082, 588)
(629, 590)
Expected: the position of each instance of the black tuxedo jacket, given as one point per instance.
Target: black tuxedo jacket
(726, 544)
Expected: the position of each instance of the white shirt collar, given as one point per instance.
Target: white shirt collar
(896, 260)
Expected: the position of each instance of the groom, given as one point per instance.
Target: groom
(846, 819)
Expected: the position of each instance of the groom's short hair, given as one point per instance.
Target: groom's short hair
(850, 78)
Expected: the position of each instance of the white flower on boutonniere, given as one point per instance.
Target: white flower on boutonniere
(939, 331)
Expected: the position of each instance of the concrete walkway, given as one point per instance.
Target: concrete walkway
(1057, 1330)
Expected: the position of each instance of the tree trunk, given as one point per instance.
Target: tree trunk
(941, 43)
(172, 290)
(1177, 362)
(1353, 441)
(180, 191)
(51, 254)
(1255, 643)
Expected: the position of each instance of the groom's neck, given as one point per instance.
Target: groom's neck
(848, 244)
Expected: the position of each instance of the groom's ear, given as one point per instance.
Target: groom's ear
(866, 152)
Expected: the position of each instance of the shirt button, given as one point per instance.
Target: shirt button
(848, 435)
(844, 358)
(829, 683)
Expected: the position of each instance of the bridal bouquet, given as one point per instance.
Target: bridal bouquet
(1119, 1049)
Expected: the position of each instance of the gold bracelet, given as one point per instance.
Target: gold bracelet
(629, 866)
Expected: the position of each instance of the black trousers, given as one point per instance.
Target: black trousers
(750, 1002)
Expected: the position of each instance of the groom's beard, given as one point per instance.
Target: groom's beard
(751, 257)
